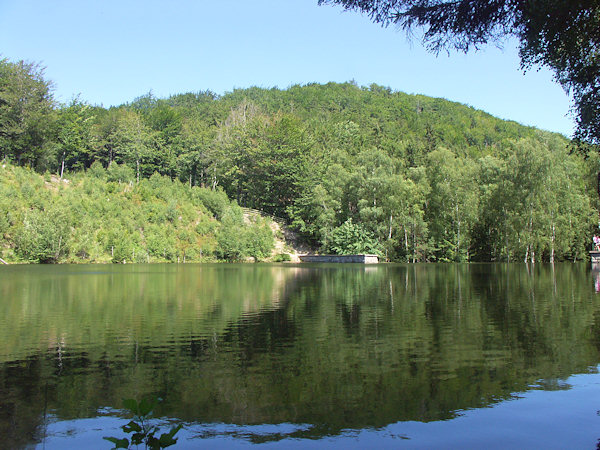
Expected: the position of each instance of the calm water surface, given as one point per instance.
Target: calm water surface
(303, 356)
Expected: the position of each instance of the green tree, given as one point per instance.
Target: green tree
(229, 158)
(105, 136)
(166, 123)
(277, 164)
(74, 136)
(320, 204)
(452, 206)
(192, 163)
(132, 141)
(26, 107)
(533, 204)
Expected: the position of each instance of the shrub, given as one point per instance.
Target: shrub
(43, 236)
(120, 173)
(353, 238)
(282, 257)
(97, 170)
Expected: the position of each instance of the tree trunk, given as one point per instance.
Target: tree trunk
(57, 253)
(214, 179)
(552, 243)
(458, 240)
(414, 245)
(62, 166)
(457, 235)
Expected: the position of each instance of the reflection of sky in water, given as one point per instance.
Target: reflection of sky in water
(563, 418)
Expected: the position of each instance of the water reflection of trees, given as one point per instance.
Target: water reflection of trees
(337, 348)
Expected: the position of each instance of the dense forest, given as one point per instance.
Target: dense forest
(353, 169)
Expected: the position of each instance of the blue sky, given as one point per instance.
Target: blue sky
(111, 51)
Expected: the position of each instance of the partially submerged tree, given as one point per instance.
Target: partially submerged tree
(562, 35)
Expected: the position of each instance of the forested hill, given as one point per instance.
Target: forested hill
(355, 169)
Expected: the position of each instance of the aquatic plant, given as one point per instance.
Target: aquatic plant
(143, 431)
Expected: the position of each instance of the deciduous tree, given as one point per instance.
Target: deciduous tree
(26, 113)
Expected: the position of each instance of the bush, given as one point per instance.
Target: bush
(353, 238)
(259, 240)
(120, 173)
(237, 240)
(97, 170)
(282, 257)
(230, 240)
(44, 236)
(215, 201)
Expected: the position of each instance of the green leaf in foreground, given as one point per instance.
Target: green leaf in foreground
(143, 431)
(119, 443)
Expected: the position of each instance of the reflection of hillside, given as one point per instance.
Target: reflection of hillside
(88, 329)
(331, 347)
(75, 307)
(405, 343)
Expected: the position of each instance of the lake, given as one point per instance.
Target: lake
(303, 356)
